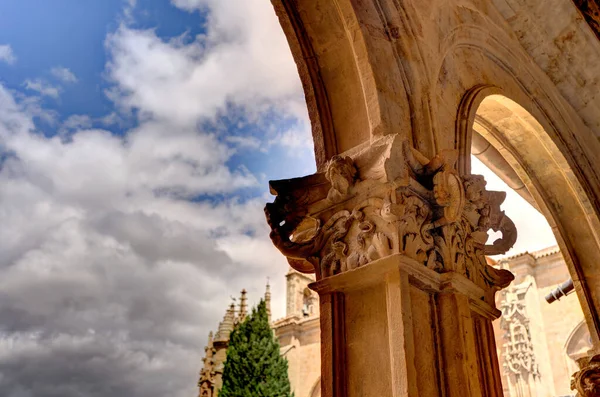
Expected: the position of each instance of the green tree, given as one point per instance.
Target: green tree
(254, 367)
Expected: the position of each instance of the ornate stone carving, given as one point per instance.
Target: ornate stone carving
(341, 174)
(385, 200)
(519, 357)
(587, 381)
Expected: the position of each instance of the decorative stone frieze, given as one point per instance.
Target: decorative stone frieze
(388, 199)
(587, 381)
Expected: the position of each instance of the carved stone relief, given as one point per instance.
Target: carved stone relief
(519, 357)
(390, 199)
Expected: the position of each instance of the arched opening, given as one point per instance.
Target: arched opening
(308, 303)
(535, 158)
(578, 344)
(516, 147)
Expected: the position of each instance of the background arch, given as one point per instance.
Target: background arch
(578, 343)
(540, 164)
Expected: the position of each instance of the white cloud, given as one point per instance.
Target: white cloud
(77, 122)
(128, 11)
(6, 54)
(243, 59)
(297, 138)
(42, 88)
(100, 265)
(244, 141)
(64, 74)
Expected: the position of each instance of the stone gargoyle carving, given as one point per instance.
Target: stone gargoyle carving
(389, 199)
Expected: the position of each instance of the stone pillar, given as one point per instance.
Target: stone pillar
(398, 244)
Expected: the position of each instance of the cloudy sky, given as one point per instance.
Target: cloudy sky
(136, 142)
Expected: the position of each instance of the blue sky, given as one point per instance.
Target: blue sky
(72, 34)
(137, 140)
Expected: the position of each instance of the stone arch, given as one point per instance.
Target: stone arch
(578, 343)
(524, 142)
(479, 60)
(481, 57)
(308, 302)
(356, 61)
(316, 389)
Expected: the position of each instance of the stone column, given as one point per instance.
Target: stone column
(398, 244)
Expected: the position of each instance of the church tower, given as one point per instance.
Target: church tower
(211, 375)
(220, 344)
(301, 301)
(299, 335)
(206, 384)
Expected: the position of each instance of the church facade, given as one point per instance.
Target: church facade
(299, 335)
(538, 343)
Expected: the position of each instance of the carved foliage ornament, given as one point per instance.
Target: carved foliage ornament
(385, 200)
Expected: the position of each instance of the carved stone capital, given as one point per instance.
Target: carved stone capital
(387, 199)
(587, 381)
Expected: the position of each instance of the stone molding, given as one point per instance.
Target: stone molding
(384, 199)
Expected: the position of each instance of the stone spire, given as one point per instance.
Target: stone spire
(208, 350)
(207, 373)
(226, 326)
(268, 300)
(243, 307)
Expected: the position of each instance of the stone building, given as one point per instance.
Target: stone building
(299, 335)
(538, 343)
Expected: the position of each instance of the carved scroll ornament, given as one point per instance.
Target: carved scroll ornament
(390, 199)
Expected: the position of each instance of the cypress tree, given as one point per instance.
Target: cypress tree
(254, 367)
